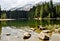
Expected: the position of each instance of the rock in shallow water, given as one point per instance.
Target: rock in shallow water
(41, 28)
(47, 31)
(26, 35)
(17, 34)
(8, 34)
(44, 36)
(33, 29)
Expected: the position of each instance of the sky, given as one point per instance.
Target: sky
(8, 4)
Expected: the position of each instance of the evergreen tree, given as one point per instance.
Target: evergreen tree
(51, 9)
(41, 11)
(46, 9)
(0, 11)
(51, 4)
(36, 12)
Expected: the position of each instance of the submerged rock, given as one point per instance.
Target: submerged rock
(8, 34)
(26, 35)
(44, 36)
(33, 29)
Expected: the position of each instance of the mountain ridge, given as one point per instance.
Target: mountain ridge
(27, 7)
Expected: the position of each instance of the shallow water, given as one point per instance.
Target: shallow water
(18, 27)
(17, 34)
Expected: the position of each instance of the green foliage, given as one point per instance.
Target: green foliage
(48, 15)
(31, 14)
(41, 11)
(36, 12)
(3, 16)
(0, 11)
(44, 10)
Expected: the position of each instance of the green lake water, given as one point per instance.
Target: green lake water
(22, 24)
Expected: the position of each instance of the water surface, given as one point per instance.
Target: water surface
(18, 27)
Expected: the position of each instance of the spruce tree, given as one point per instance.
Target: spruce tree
(0, 11)
(51, 4)
(41, 11)
(36, 12)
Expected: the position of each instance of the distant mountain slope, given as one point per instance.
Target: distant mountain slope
(27, 7)
(57, 3)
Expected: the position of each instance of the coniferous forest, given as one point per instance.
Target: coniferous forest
(29, 20)
(44, 10)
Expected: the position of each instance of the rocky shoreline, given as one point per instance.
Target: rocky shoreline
(29, 34)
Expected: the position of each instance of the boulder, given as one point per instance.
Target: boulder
(47, 31)
(56, 31)
(44, 36)
(33, 29)
(26, 35)
(41, 28)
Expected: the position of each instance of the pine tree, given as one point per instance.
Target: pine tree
(46, 9)
(36, 12)
(0, 11)
(51, 4)
(56, 9)
(41, 11)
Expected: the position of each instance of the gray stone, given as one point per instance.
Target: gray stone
(33, 29)
(44, 36)
(46, 31)
(8, 34)
(26, 35)
(41, 28)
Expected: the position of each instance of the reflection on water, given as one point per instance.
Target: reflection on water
(19, 23)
